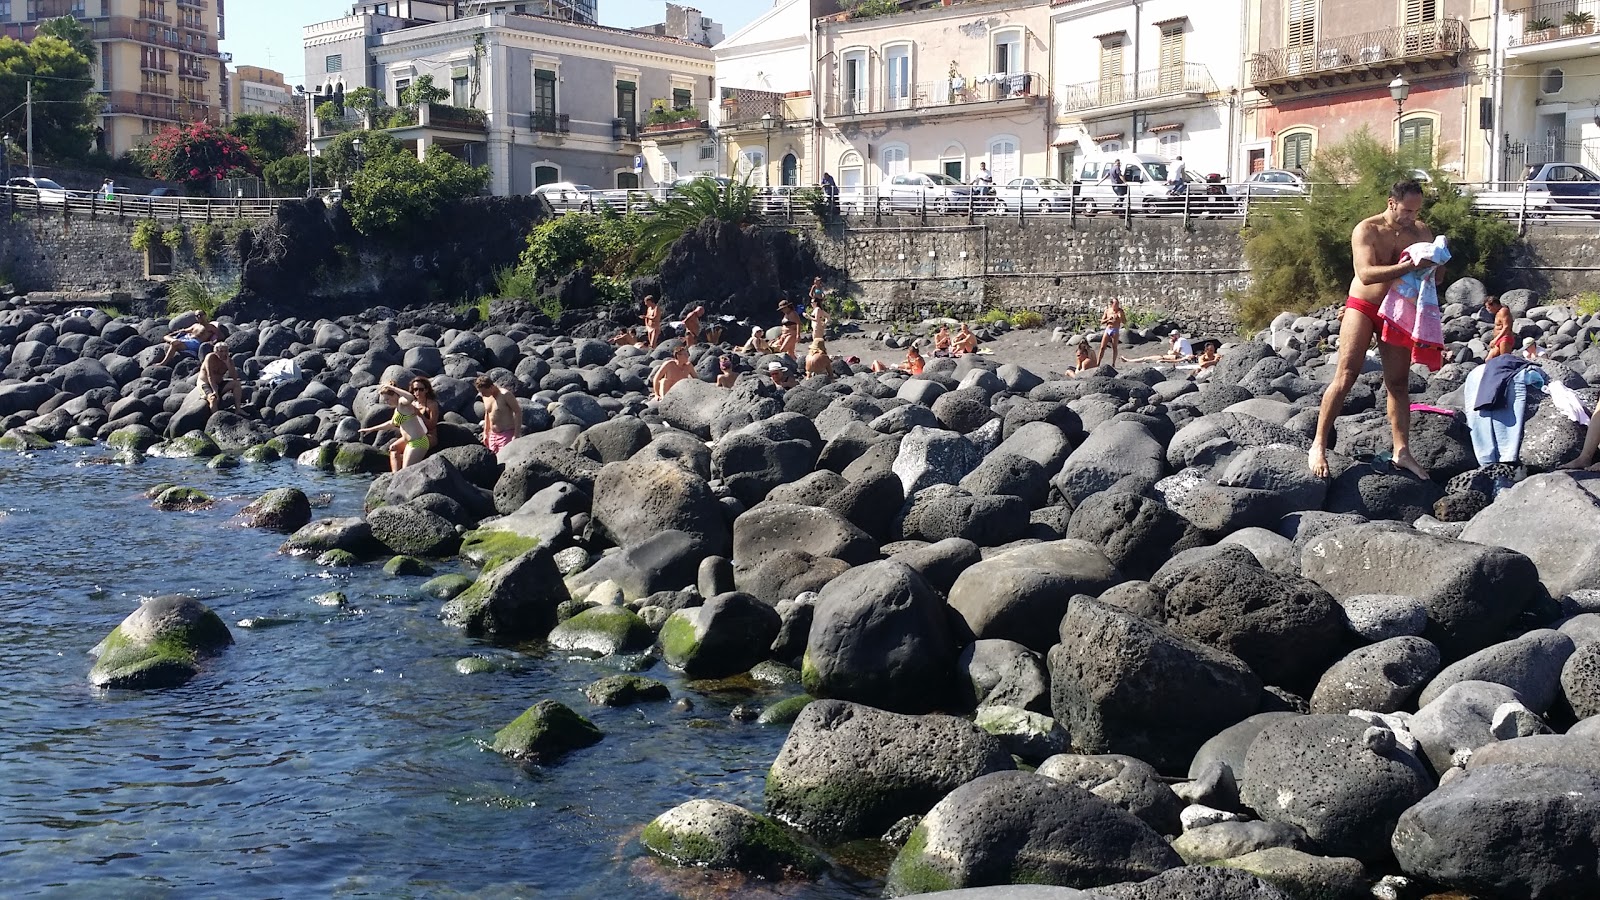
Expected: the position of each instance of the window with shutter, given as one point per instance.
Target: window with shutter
(1422, 35)
(1111, 69)
(1172, 57)
(1421, 12)
(1416, 139)
(1302, 23)
(1296, 151)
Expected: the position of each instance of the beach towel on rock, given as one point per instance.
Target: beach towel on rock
(1410, 311)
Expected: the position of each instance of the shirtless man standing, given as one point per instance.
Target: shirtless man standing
(1376, 243)
(652, 321)
(1504, 341)
(691, 325)
(1111, 320)
(671, 372)
(502, 414)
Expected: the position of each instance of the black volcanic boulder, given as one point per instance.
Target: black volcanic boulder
(516, 599)
(1120, 684)
(850, 771)
(634, 501)
(1020, 595)
(881, 636)
(1136, 532)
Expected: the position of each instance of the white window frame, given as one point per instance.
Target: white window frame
(897, 93)
(857, 102)
(904, 160)
(1017, 37)
(533, 171)
(1001, 176)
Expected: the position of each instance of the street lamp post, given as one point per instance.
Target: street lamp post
(311, 106)
(1399, 89)
(768, 122)
(355, 144)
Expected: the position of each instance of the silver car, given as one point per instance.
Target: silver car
(564, 195)
(935, 192)
(1271, 183)
(1034, 195)
(47, 191)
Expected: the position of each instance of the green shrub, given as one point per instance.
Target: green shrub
(1027, 318)
(511, 281)
(145, 234)
(1587, 303)
(688, 206)
(397, 191)
(1299, 251)
(993, 317)
(605, 242)
(207, 238)
(192, 291)
(173, 237)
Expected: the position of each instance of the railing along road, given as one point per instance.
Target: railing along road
(138, 206)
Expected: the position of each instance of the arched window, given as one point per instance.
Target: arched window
(546, 173)
(1005, 162)
(953, 162)
(896, 160)
(789, 172)
(1416, 138)
(628, 179)
(1295, 150)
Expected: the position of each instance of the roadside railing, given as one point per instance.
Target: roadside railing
(1521, 203)
(49, 202)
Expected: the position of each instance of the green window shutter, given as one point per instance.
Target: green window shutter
(543, 75)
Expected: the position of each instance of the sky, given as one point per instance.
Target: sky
(266, 33)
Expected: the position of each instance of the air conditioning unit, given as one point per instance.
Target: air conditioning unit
(1299, 61)
(1374, 54)
(1331, 58)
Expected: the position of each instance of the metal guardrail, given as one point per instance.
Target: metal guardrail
(1519, 202)
(137, 206)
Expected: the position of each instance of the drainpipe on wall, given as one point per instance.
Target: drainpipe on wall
(1497, 85)
(1133, 140)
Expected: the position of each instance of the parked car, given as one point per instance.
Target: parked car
(161, 192)
(778, 199)
(1271, 183)
(935, 192)
(1564, 184)
(565, 195)
(45, 190)
(1144, 176)
(721, 180)
(1034, 195)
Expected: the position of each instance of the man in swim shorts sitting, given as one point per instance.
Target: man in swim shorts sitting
(502, 414)
(189, 340)
(218, 374)
(1376, 244)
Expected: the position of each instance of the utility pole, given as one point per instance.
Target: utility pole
(30, 127)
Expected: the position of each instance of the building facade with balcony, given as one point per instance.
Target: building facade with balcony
(256, 91)
(1549, 96)
(536, 99)
(939, 90)
(1320, 71)
(1147, 76)
(158, 61)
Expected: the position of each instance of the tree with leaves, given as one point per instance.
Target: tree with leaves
(197, 155)
(62, 77)
(688, 206)
(397, 191)
(421, 92)
(269, 136)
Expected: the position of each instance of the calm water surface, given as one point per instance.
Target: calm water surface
(338, 754)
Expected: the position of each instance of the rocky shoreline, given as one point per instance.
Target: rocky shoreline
(1104, 631)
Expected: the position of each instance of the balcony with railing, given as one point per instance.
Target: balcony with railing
(741, 107)
(193, 4)
(154, 14)
(154, 64)
(550, 123)
(1553, 31)
(955, 94)
(1372, 55)
(664, 119)
(156, 106)
(624, 130)
(194, 73)
(1149, 89)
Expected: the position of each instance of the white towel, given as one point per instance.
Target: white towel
(1568, 402)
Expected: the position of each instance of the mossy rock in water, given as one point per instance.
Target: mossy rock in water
(335, 599)
(354, 458)
(626, 690)
(175, 499)
(155, 491)
(785, 711)
(406, 566)
(133, 437)
(488, 549)
(546, 731)
(604, 630)
(338, 559)
(715, 834)
(446, 587)
(223, 461)
(476, 665)
(290, 446)
(127, 458)
(21, 439)
(348, 533)
(769, 672)
(160, 644)
(261, 453)
(284, 510)
(194, 445)
(319, 457)
(79, 442)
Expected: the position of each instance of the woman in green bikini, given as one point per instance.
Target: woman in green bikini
(407, 417)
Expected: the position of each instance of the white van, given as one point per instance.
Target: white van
(1145, 177)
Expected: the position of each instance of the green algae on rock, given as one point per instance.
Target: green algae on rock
(160, 644)
(547, 730)
(604, 630)
(175, 499)
(715, 834)
(625, 690)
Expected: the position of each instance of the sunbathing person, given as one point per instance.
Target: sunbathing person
(189, 340)
(965, 341)
(217, 375)
(913, 364)
(818, 362)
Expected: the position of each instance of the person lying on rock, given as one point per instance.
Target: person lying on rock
(623, 338)
(671, 372)
(965, 341)
(726, 375)
(217, 374)
(818, 362)
(502, 413)
(408, 418)
(912, 366)
(781, 376)
(189, 340)
(1376, 244)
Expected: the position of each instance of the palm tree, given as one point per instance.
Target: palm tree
(689, 205)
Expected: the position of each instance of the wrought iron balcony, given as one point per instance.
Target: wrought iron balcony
(1139, 90)
(624, 130)
(742, 107)
(1363, 56)
(550, 123)
(958, 91)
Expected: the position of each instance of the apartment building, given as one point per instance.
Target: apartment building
(1548, 97)
(254, 90)
(158, 60)
(939, 89)
(536, 98)
(1321, 70)
(1147, 76)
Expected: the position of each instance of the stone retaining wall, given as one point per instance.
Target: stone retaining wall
(46, 251)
